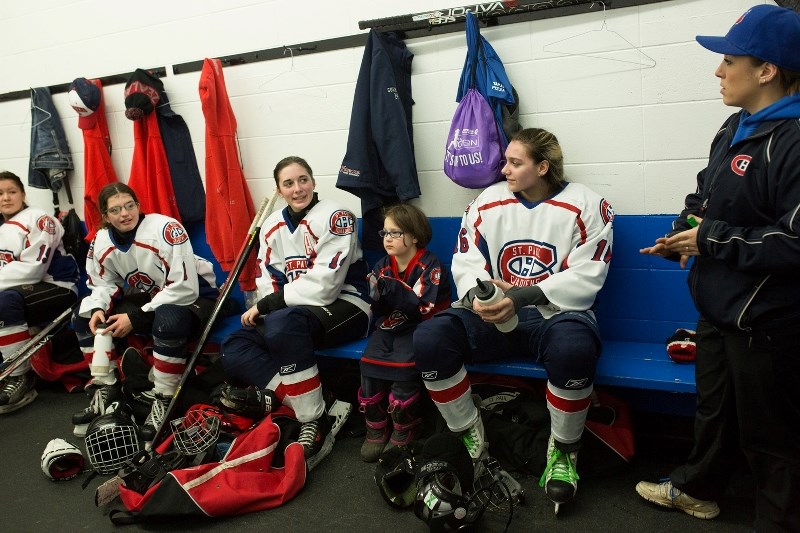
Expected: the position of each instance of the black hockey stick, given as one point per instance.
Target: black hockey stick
(255, 227)
(25, 352)
(449, 15)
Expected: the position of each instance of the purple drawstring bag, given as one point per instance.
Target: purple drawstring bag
(473, 157)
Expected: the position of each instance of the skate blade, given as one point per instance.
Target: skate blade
(340, 411)
(107, 491)
(25, 400)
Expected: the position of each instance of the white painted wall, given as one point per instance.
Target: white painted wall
(636, 135)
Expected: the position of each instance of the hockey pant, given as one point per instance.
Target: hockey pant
(33, 304)
(280, 355)
(568, 346)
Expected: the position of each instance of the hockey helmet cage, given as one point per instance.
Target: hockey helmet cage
(444, 481)
(395, 475)
(197, 431)
(111, 439)
(61, 460)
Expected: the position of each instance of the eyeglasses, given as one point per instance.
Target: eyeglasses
(393, 234)
(117, 209)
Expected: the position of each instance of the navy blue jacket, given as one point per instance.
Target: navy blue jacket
(749, 199)
(380, 149)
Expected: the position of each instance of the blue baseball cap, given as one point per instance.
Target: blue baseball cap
(765, 31)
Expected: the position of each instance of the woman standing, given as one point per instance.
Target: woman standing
(746, 246)
(37, 282)
(144, 278)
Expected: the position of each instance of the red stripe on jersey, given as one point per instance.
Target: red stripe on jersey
(272, 230)
(451, 393)
(305, 223)
(14, 338)
(578, 219)
(568, 406)
(302, 387)
(24, 228)
(152, 249)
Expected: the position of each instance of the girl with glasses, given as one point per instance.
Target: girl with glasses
(144, 278)
(409, 285)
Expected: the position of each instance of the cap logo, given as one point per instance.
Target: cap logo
(741, 18)
(139, 87)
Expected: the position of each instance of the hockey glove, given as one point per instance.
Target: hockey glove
(681, 347)
(250, 402)
(61, 460)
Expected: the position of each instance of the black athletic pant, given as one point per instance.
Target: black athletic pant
(749, 382)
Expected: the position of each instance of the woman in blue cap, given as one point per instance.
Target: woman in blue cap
(742, 226)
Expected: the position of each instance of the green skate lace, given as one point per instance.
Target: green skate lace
(471, 441)
(560, 468)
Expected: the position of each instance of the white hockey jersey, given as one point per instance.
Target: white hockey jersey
(316, 262)
(159, 260)
(562, 244)
(30, 242)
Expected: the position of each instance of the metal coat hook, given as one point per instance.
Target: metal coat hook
(644, 60)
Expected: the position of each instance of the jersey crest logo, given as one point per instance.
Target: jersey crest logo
(740, 163)
(90, 253)
(144, 283)
(342, 223)
(436, 276)
(606, 211)
(395, 319)
(526, 263)
(295, 266)
(6, 257)
(175, 234)
(46, 224)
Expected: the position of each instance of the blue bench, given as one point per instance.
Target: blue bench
(644, 300)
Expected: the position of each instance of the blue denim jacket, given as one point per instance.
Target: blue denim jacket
(50, 155)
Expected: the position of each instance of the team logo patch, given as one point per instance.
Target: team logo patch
(740, 163)
(90, 253)
(46, 224)
(577, 383)
(526, 263)
(342, 223)
(606, 211)
(175, 234)
(395, 319)
(429, 376)
(144, 283)
(436, 276)
(295, 267)
(6, 257)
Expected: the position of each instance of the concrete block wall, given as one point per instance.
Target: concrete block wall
(636, 135)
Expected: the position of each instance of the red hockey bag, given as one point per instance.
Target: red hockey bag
(256, 473)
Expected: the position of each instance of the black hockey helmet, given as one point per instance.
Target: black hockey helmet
(444, 482)
(111, 439)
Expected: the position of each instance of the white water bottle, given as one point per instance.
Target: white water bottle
(489, 294)
(103, 344)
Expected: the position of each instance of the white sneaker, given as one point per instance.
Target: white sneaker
(666, 495)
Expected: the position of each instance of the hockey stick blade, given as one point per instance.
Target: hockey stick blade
(107, 491)
(452, 15)
(255, 228)
(34, 343)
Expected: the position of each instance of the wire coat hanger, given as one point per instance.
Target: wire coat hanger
(34, 106)
(305, 87)
(588, 38)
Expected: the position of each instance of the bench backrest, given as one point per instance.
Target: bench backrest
(645, 299)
